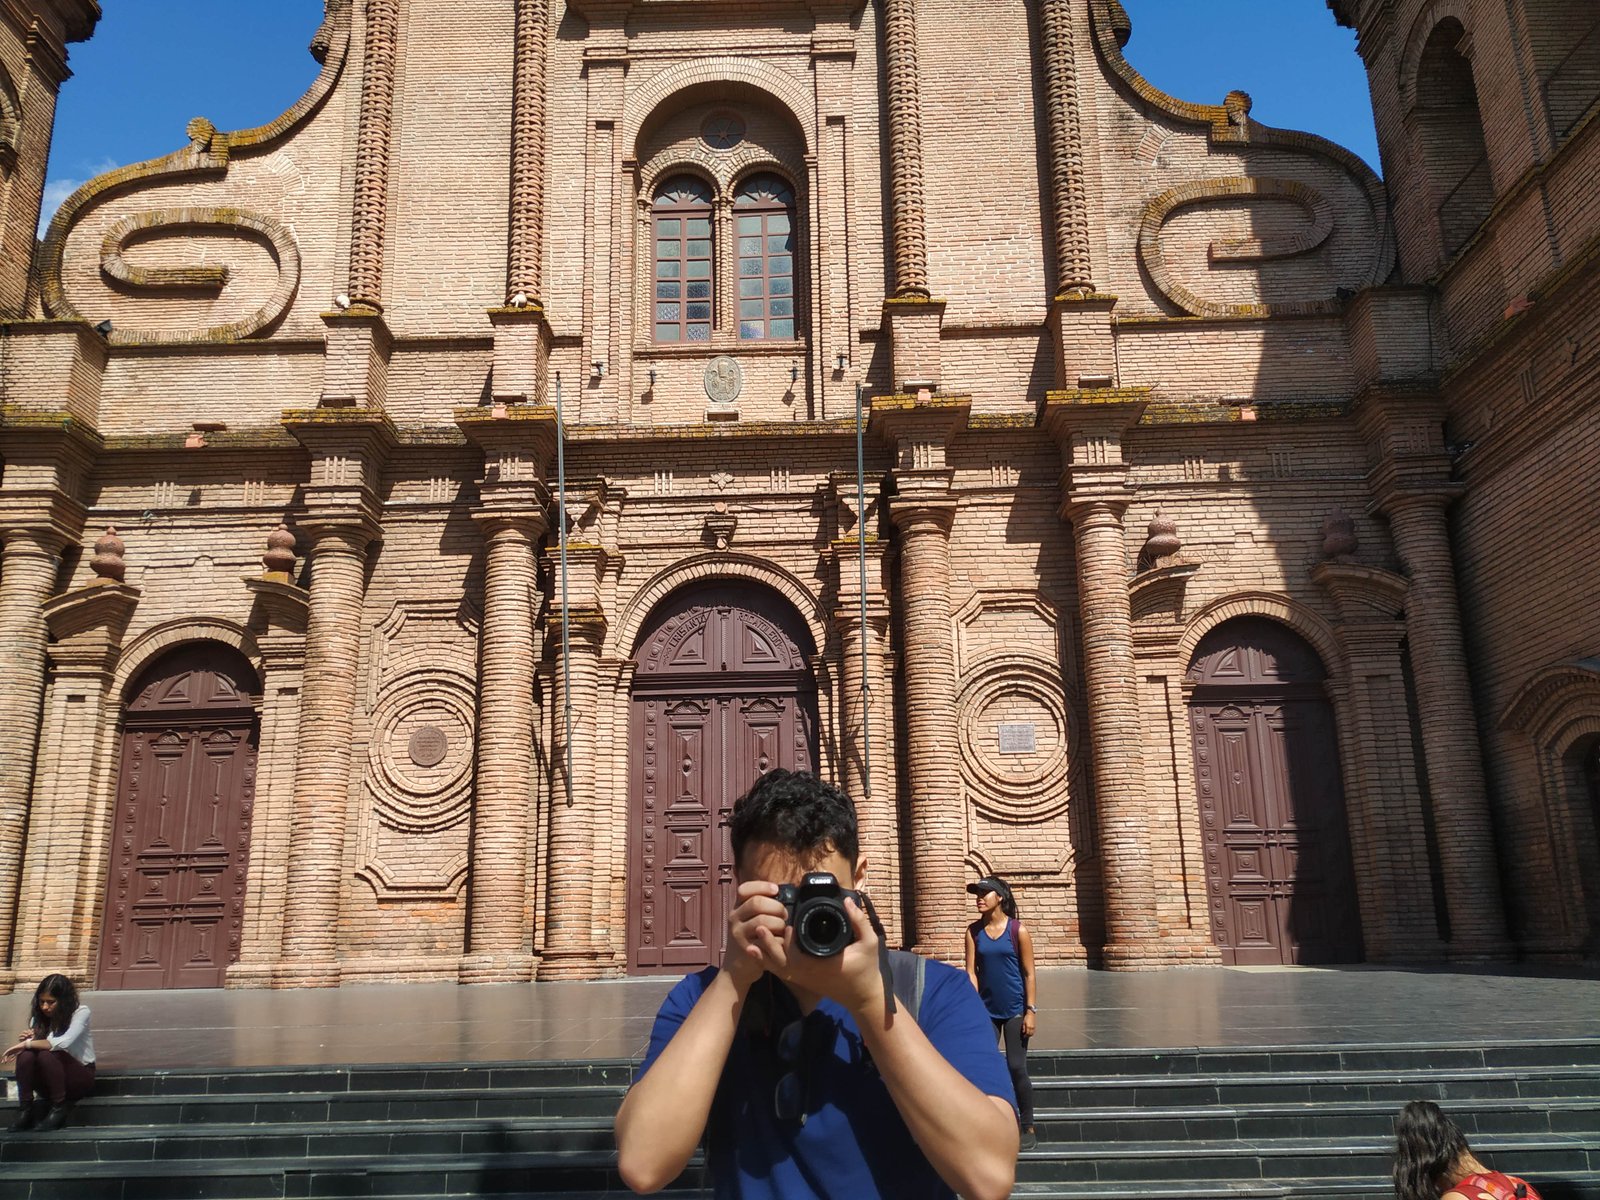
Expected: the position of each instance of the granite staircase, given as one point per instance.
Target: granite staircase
(1296, 1123)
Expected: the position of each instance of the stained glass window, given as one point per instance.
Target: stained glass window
(764, 216)
(683, 284)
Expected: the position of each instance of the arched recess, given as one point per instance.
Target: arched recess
(1280, 879)
(175, 891)
(720, 74)
(724, 692)
(158, 639)
(1442, 112)
(1564, 39)
(1558, 712)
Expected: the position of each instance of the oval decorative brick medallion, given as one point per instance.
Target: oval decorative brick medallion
(724, 379)
(722, 130)
(1017, 739)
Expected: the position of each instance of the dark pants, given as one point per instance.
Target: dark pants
(1017, 1062)
(55, 1073)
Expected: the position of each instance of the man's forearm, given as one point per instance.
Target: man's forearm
(970, 1138)
(664, 1114)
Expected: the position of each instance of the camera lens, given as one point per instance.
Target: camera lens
(823, 930)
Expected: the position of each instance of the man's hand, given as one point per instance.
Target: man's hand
(851, 979)
(757, 910)
(1028, 1024)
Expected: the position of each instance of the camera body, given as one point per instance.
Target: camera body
(815, 907)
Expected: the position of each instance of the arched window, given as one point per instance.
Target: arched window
(683, 283)
(764, 214)
(1451, 130)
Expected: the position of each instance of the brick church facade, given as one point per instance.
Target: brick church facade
(1220, 569)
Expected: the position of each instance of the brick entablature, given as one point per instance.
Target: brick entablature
(1131, 373)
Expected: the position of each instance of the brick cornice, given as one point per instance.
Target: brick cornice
(87, 626)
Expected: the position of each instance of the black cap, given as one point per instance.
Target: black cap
(990, 883)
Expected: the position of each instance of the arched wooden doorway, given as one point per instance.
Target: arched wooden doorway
(723, 693)
(1279, 880)
(181, 843)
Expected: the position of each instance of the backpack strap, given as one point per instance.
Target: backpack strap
(909, 973)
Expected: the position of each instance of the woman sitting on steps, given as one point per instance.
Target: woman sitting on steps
(55, 1056)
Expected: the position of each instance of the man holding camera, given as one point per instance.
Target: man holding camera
(804, 1075)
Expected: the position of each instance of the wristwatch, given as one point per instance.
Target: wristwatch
(1033, 1008)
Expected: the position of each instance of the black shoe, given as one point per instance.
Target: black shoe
(1030, 1139)
(28, 1118)
(54, 1119)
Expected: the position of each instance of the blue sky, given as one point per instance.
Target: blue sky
(154, 64)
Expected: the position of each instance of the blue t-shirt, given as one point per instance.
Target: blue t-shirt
(998, 962)
(853, 1144)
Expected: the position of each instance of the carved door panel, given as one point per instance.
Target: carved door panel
(723, 695)
(175, 908)
(180, 848)
(1279, 878)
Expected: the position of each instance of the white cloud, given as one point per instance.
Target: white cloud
(56, 191)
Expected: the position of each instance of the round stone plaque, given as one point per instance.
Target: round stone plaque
(428, 746)
(724, 380)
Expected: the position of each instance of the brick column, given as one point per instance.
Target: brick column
(1449, 725)
(322, 766)
(1089, 426)
(500, 942)
(866, 707)
(570, 947)
(29, 561)
(938, 822)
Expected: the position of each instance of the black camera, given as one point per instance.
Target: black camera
(815, 908)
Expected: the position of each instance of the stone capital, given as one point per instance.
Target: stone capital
(586, 626)
(928, 511)
(518, 442)
(1097, 503)
(87, 625)
(507, 515)
(285, 607)
(39, 523)
(904, 419)
(1362, 594)
(586, 564)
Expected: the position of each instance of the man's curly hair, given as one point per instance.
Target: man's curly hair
(797, 813)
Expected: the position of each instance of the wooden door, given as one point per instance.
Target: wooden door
(1280, 884)
(181, 842)
(723, 694)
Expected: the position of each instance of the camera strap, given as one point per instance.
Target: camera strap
(884, 968)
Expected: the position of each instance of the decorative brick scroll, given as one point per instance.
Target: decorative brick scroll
(144, 226)
(207, 158)
(10, 124)
(1240, 189)
(1354, 235)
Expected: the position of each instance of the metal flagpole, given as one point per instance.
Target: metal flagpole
(866, 659)
(566, 627)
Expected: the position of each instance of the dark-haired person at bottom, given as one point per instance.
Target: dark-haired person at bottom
(802, 1073)
(1432, 1161)
(55, 1056)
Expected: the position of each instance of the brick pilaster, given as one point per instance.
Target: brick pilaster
(500, 929)
(1089, 426)
(919, 429)
(570, 948)
(322, 766)
(63, 874)
(867, 719)
(1449, 726)
(29, 560)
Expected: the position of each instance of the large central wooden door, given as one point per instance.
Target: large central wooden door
(181, 843)
(723, 694)
(1281, 888)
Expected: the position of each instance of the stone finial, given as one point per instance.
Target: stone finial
(1339, 536)
(107, 563)
(1161, 540)
(279, 558)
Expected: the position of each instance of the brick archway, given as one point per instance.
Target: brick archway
(174, 910)
(724, 692)
(1280, 882)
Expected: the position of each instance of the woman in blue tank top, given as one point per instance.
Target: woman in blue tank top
(1000, 965)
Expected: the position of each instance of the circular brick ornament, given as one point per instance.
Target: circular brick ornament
(722, 130)
(428, 746)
